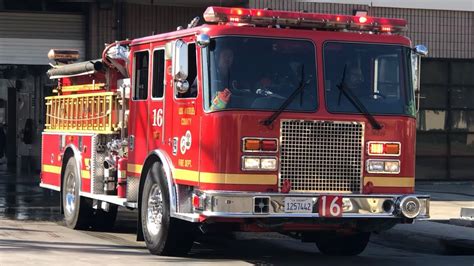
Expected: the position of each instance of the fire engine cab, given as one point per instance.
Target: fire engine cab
(258, 120)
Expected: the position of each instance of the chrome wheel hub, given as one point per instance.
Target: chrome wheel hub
(70, 189)
(155, 210)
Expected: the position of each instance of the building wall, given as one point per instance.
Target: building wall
(447, 34)
(131, 21)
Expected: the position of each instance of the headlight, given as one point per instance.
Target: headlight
(259, 163)
(268, 163)
(375, 166)
(383, 166)
(251, 163)
(392, 166)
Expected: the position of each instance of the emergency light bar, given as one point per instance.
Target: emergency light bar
(261, 17)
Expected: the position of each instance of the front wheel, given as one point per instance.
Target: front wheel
(332, 243)
(164, 235)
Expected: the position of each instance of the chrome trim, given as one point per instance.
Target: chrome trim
(383, 172)
(167, 167)
(242, 165)
(234, 204)
(384, 142)
(43, 185)
(245, 138)
(105, 198)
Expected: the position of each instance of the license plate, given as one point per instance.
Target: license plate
(299, 205)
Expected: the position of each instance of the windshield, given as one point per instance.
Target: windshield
(260, 74)
(378, 75)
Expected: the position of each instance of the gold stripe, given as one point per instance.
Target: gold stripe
(380, 181)
(51, 169)
(84, 87)
(57, 170)
(135, 168)
(85, 174)
(239, 179)
(219, 178)
(186, 175)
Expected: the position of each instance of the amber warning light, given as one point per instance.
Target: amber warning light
(262, 17)
(384, 148)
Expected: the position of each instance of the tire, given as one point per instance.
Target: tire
(77, 210)
(335, 244)
(163, 234)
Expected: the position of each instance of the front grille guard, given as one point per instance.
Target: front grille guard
(321, 156)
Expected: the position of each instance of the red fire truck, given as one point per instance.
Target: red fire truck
(258, 120)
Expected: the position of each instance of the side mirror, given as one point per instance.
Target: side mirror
(180, 60)
(418, 52)
(180, 66)
(203, 40)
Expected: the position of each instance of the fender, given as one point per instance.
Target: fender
(163, 157)
(168, 168)
(76, 154)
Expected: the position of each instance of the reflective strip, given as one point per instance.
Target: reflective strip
(122, 174)
(379, 181)
(186, 175)
(220, 178)
(135, 168)
(85, 174)
(239, 179)
(51, 169)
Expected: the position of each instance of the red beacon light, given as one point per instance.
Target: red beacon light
(287, 19)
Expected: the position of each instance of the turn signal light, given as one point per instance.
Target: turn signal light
(252, 144)
(384, 148)
(260, 145)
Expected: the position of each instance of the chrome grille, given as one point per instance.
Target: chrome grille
(321, 156)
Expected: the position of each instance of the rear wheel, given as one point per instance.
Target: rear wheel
(163, 234)
(77, 210)
(332, 243)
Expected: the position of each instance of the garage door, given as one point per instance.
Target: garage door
(26, 38)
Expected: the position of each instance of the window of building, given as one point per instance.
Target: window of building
(445, 141)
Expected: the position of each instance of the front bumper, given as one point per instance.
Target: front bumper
(231, 204)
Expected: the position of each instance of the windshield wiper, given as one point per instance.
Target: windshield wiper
(288, 100)
(356, 101)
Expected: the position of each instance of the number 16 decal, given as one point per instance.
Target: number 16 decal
(157, 117)
(330, 206)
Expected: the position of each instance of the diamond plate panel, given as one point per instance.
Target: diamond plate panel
(97, 169)
(133, 184)
(320, 156)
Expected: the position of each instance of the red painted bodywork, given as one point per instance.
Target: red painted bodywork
(217, 137)
(216, 145)
(54, 147)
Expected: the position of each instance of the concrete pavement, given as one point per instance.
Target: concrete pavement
(439, 234)
(22, 199)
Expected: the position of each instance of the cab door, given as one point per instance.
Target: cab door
(185, 116)
(156, 110)
(138, 116)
